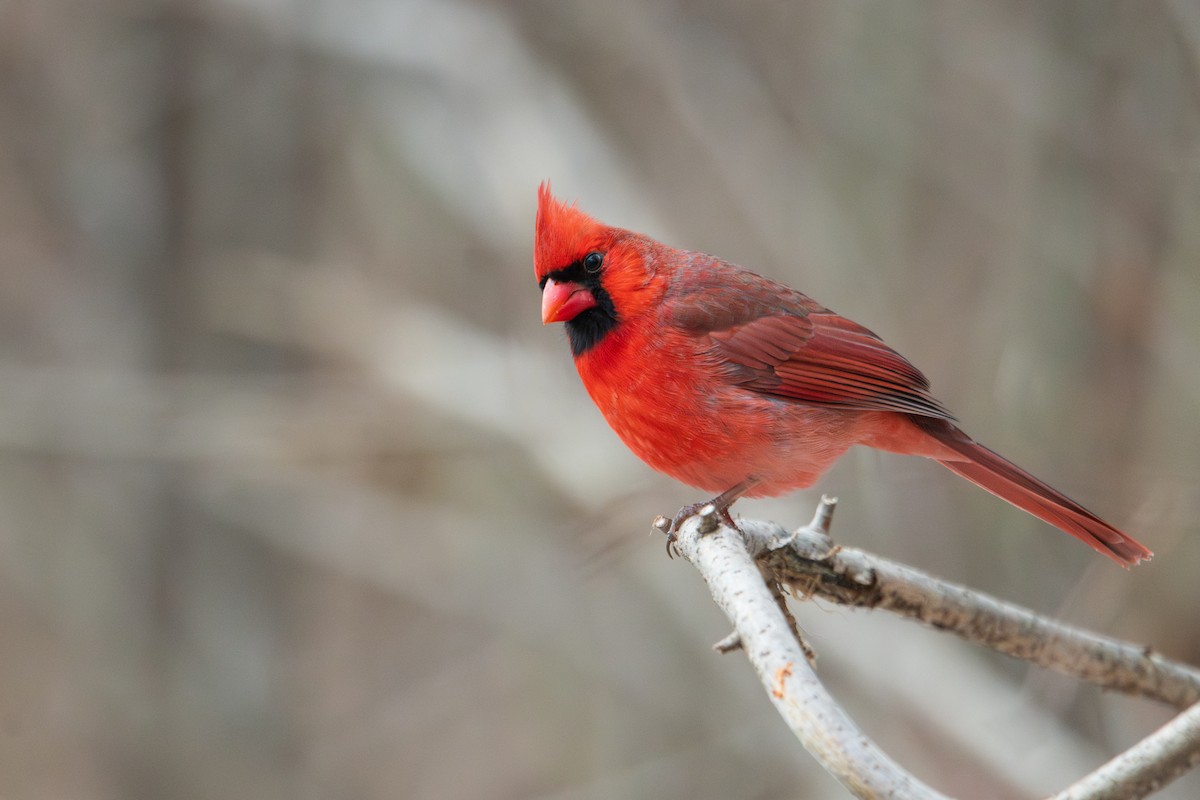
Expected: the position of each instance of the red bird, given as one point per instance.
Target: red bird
(733, 383)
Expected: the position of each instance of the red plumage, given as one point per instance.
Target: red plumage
(734, 383)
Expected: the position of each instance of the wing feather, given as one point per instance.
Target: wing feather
(774, 340)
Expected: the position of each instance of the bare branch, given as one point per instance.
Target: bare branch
(813, 715)
(1147, 766)
(810, 561)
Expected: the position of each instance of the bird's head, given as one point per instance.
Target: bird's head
(592, 276)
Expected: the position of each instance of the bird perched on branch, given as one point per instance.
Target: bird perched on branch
(734, 383)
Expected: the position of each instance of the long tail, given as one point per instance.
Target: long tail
(989, 470)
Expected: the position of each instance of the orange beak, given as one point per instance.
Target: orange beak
(562, 302)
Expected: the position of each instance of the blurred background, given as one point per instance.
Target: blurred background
(299, 500)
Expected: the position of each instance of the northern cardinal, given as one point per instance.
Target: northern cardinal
(734, 383)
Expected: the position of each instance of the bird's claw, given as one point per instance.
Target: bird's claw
(672, 527)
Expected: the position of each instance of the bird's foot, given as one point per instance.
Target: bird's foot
(712, 510)
(708, 508)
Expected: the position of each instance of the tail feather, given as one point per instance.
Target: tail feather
(991, 471)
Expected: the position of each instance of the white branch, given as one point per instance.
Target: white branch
(809, 561)
(814, 716)
(1147, 766)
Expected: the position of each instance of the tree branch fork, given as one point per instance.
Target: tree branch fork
(746, 569)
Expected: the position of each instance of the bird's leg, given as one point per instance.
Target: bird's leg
(720, 504)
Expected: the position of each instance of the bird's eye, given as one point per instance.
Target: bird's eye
(593, 261)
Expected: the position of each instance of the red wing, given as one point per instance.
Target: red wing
(777, 341)
(824, 359)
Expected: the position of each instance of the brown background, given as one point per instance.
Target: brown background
(299, 500)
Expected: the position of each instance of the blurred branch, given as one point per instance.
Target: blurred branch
(1147, 766)
(809, 561)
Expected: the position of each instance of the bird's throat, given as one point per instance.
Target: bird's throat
(589, 328)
